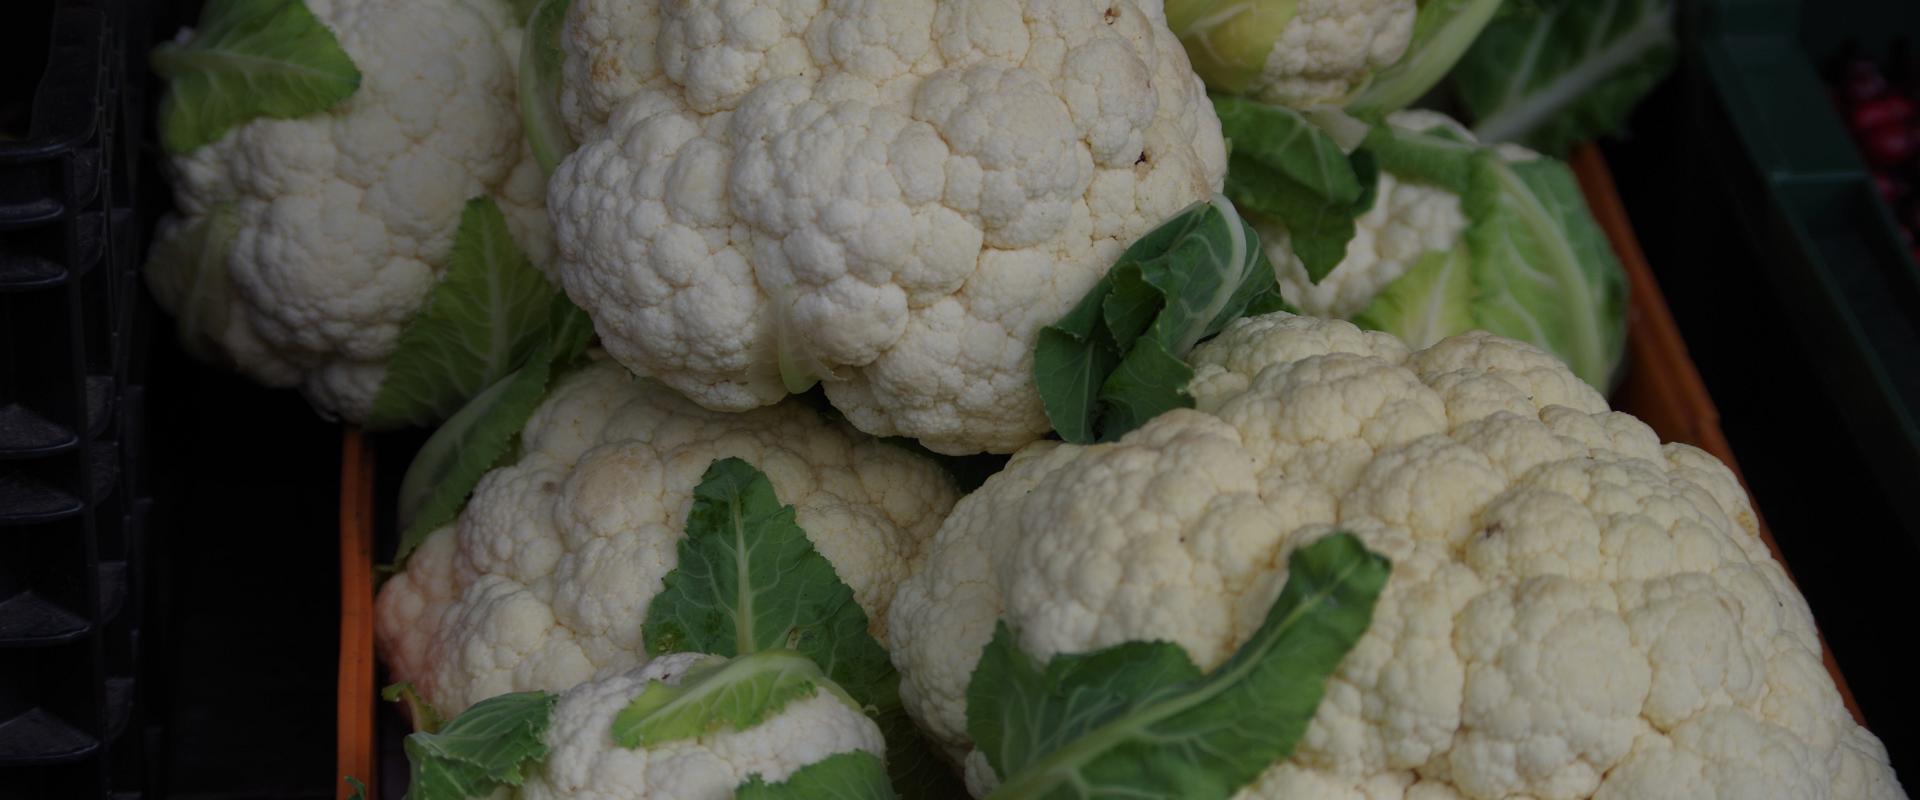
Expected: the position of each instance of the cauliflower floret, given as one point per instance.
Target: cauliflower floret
(342, 221)
(584, 762)
(1408, 220)
(1331, 48)
(892, 196)
(544, 580)
(1575, 610)
(1530, 262)
(1295, 53)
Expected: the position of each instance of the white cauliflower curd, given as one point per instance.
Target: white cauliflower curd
(890, 196)
(545, 579)
(309, 243)
(1575, 610)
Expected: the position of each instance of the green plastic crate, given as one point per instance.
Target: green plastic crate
(1826, 240)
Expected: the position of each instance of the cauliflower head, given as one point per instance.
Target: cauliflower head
(585, 763)
(544, 580)
(1409, 219)
(1508, 246)
(1575, 611)
(1296, 53)
(333, 227)
(891, 196)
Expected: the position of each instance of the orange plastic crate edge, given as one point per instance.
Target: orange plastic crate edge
(357, 747)
(1663, 389)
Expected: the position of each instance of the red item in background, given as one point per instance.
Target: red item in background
(1883, 110)
(1886, 145)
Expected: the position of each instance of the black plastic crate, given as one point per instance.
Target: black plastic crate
(73, 504)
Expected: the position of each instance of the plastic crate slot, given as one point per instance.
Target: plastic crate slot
(24, 433)
(25, 500)
(27, 271)
(100, 397)
(90, 233)
(38, 211)
(66, 114)
(113, 588)
(119, 706)
(66, 105)
(37, 737)
(29, 620)
(21, 273)
(104, 461)
(86, 173)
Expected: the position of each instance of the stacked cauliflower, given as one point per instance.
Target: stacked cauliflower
(890, 196)
(341, 222)
(544, 580)
(1575, 610)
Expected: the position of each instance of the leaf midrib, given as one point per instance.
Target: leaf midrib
(1585, 351)
(743, 603)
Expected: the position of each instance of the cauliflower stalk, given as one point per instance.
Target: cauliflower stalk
(323, 156)
(632, 526)
(1575, 609)
(888, 197)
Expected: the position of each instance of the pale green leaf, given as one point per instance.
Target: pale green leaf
(749, 581)
(488, 746)
(481, 434)
(540, 73)
(1137, 720)
(1544, 271)
(1118, 358)
(249, 59)
(732, 694)
(1228, 41)
(488, 313)
(1286, 168)
(1431, 301)
(521, 10)
(856, 775)
(1563, 71)
(188, 273)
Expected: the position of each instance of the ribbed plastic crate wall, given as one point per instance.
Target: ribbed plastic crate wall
(72, 508)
